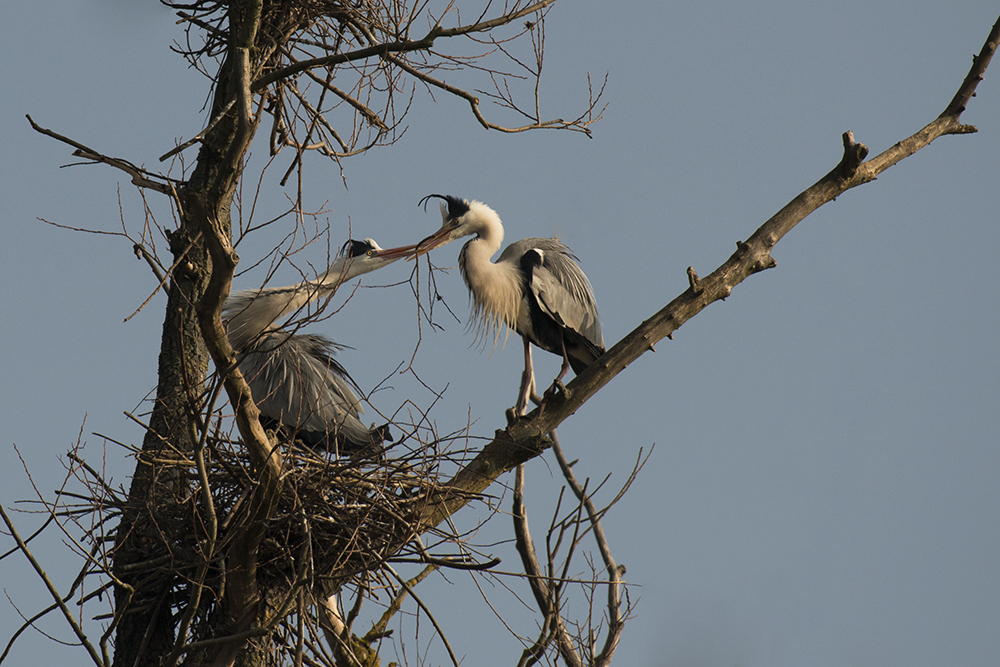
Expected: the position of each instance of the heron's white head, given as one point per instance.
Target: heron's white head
(461, 217)
(359, 257)
(368, 252)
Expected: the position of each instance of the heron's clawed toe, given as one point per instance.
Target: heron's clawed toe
(551, 391)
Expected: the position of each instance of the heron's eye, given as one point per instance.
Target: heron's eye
(453, 222)
(371, 253)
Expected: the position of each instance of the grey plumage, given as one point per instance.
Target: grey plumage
(535, 288)
(295, 381)
(297, 384)
(555, 283)
(251, 312)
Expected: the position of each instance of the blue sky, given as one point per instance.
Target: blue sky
(823, 484)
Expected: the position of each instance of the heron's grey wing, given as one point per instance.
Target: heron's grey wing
(296, 381)
(329, 382)
(337, 410)
(563, 290)
(250, 312)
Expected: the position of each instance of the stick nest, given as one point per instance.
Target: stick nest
(335, 518)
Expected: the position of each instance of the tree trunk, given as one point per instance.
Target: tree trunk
(146, 634)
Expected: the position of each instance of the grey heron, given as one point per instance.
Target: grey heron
(294, 379)
(535, 288)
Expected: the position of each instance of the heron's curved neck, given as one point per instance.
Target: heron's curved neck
(489, 235)
(337, 273)
(304, 293)
(257, 311)
(479, 271)
(496, 288)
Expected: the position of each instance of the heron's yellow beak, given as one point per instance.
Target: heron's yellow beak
(435, 240)
(396, 253)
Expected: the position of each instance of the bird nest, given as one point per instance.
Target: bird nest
(348, 515)
(209, 19)
(334, 518)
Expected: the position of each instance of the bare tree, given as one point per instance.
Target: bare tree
(235, 548)
(229, 549)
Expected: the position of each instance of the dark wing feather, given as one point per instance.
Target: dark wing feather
(296, 382)
(561, 288)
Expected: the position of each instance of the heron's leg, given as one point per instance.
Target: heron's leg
(527, 391)
(532, 394)
(557, 383)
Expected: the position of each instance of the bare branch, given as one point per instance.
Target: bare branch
(140, 177)
(198, 137)
(968, 88)
(67, 614)
(616, 623)
(400, 46)
(409, 589)
(558, 123)
(528, 437)
(553, 625)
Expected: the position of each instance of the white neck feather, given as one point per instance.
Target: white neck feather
(257, 311)
(495, 288)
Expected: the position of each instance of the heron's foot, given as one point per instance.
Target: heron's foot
(551, 391)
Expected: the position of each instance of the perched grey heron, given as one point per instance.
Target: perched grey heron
(535, 288)
(294, 379)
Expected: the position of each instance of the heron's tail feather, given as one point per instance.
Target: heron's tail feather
(581, 351)
(381, 434)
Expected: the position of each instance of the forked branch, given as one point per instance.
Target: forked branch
(542, 588)
(616, 620)
(140, 177)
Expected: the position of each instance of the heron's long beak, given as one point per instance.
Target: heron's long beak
(435, 240)
(396, 253)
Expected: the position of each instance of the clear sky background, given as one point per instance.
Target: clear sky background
(823, 487)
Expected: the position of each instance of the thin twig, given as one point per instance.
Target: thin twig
(420, 603)
(615, 621)
(67, 614)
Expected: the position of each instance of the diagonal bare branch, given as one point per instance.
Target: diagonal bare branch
(140, 177)
(528, 437)
(95, 656)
